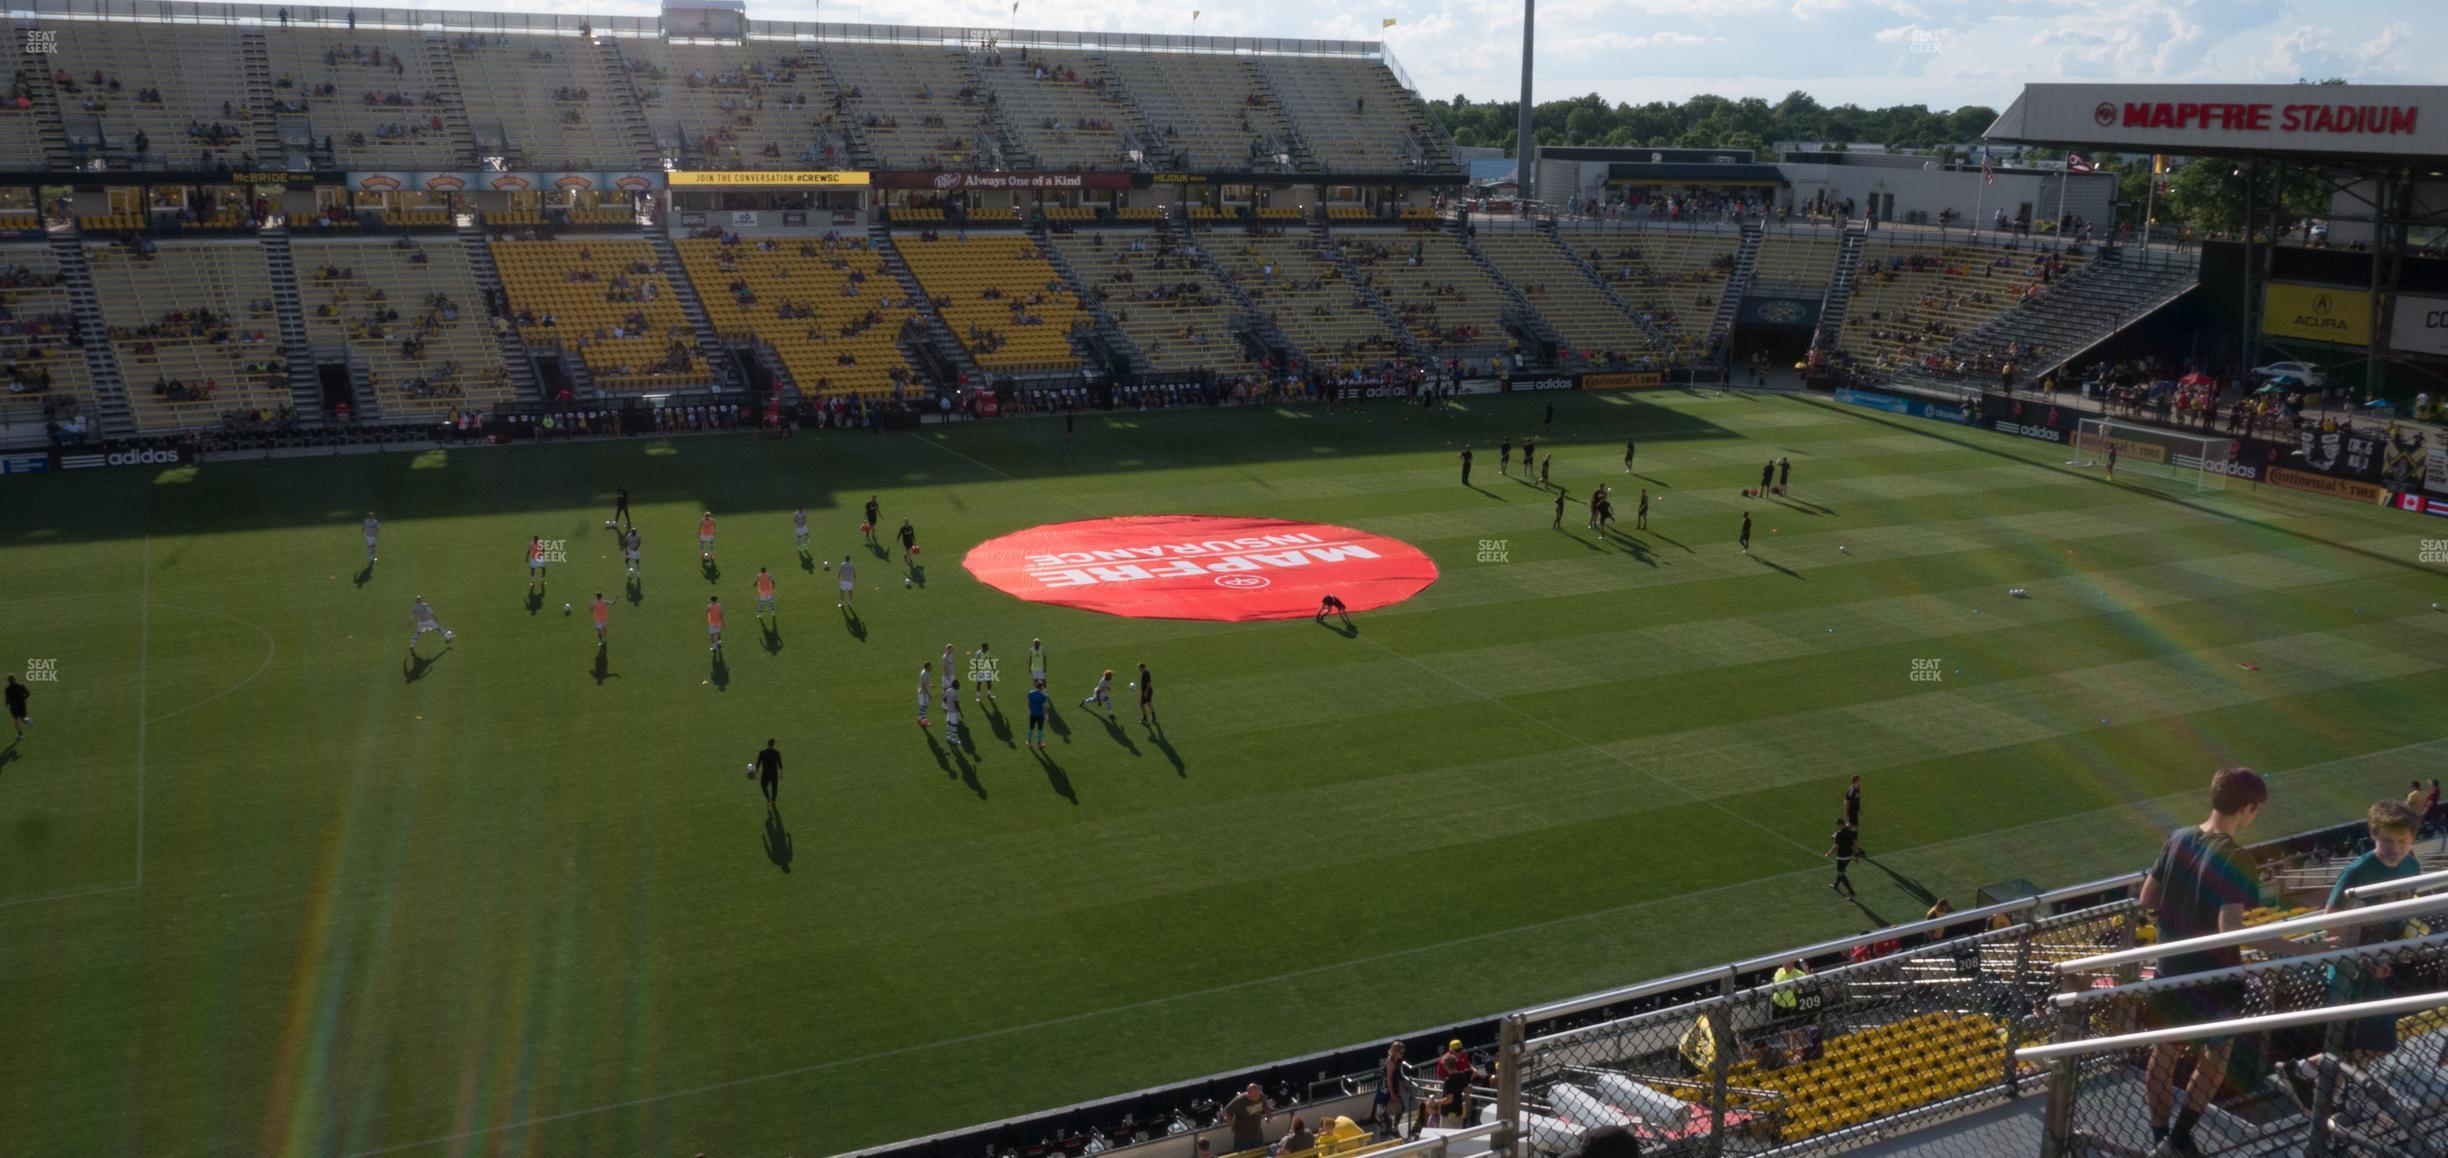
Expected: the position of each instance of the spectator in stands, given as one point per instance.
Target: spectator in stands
(1297, 1139)
(1245, 1117)
(2394, 829)
(1391, 1088)
(2201, 884)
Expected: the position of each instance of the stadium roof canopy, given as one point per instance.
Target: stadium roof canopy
(2357, 126)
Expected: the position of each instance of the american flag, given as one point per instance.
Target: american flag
(1988, 175)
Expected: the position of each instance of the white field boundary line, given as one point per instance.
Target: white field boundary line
(1294, 975)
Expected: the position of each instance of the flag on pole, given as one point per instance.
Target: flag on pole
(2158, 163)
(1988, 175)
(2077, 163)
(1389, 23)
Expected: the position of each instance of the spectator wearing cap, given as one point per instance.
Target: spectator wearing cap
(1453, 1061)
(1245, 1116)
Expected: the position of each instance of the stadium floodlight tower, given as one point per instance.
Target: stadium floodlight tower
(1525, 162)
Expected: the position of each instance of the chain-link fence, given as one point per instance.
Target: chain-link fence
(2354, 1085)
(1808, 1059)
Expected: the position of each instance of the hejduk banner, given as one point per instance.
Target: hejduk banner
(1217, 567)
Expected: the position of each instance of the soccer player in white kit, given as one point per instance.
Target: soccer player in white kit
(982, 672)
(373, 527)
(952, 717)
(950, 670)
(423, 616)
(1103, 694)
(799, 528)
(849, 575)
(926, 679)
(629, 547)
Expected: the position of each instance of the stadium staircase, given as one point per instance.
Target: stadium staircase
(2086, 308)
(946, 348)
(1006, 151)
(1525, 315)
(612, 79)
(1657, 337)
(1294, 143)
(57, 154)
(529, 385)
(1138, 131)
(263, 123)
(718, 355)
(862, 152)
(1254, 325)
(455, 119)
(101, 362)
(1839, 292)
(1109, 333)
(1332, 249)
(1729, 301)
(367, 404)
(305, 384)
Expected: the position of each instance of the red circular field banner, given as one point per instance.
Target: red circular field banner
(1201, 567)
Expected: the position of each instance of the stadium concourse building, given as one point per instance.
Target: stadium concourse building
(2369, 300)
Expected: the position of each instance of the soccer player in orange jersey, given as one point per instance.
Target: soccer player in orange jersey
(602, 613)
(714, 621)
(765, 594)
(705, 537)
(535, 563)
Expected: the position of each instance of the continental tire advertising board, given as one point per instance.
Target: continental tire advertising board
(1637, 380)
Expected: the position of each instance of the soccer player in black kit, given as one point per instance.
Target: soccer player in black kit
(620, 506)
(1147, 695)
(769, 774)
(1842, 848)
(1466, 459)
(872, 510)
(909, 539)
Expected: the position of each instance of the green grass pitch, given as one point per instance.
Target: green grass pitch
(263, 893)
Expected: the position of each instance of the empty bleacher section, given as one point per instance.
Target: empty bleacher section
(155, 95)
(1352, 114)
(915, 107)
(42, 368)
(1556, 286)
(412, 312)
(1001, 298)
(1795, 261)
(1205, 111)
(605, 302)
(22, 126)
(1450, 304)
(1305, 294)
(373, 95)
(830, 309)
(1062, 110)
(543, 99)
(1171, 308)
(1673, 277)
(193, 326)
(756, 105)
(1910, 299)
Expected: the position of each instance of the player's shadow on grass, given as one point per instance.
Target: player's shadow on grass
(709, 569)
(8, 755)
(1055, 778)
(415, 666)
(720, 673)
(1919, 891)
(771, 629)
(807, 562)
(1344, 627)
(999, 723)
(535, 600)
(365, 575)
(965, 772)
(1876, 921)
(856, 626)
(1660, 484)
(1639, 551)
(1485, 493)
(777, 840)
(876, 548)
(603, 666)
(1057, 725)
(636, 591)
(1777, 567)
(917, 573)
(1812, 509)
(1156, 736)
(1662, 537)
(1113, 728)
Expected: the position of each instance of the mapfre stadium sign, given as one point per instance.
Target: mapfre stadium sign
(2325, 120)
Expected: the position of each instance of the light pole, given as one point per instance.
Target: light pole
(1525, 147)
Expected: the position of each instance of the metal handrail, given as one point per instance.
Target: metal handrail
(2187, 980)
(2425, 881)
(2311, 923)
(2390, 1007)
(1438, 1146)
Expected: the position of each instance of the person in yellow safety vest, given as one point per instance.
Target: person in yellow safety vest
(1790, 999)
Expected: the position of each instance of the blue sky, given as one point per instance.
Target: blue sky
(1942, 53)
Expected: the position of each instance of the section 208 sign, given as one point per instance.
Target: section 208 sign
(1220, 567)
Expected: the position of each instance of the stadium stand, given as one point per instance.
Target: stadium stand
(413, 313)
(141, 94)
(1800, 261)
(544, 101)
(1164, 300)
(1205, 111)
(1556, 286)
(1005, 303)
(25, 125)
(606, 300)
(916, 108)
(831, 311)
(375, 96)
(1306, 295)
(193, 327)
(1328, 101)
(1062, 109)
(42, 364)
(1450, 304)
(737, 106)
(1910, 299)
(1674, 278)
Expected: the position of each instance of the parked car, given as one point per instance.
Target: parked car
(2302, 372)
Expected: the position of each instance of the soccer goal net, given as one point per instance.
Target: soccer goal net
(2200, 461)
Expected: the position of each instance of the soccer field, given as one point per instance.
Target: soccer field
(269, 887)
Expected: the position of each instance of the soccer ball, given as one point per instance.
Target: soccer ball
(828, 564)
(752, 770)
(905, 582)
(607, 524)
(565, 609)
(447, 637)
